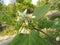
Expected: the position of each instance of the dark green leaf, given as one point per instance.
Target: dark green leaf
(56, 24)
(28, 39)
(19, 39)
(44, 23)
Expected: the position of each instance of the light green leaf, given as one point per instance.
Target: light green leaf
(28, 39)
(41, 11)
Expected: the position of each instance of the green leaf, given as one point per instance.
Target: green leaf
(44, 23)
(56, 24)
(36, 39)
(19, 39)
(28, 39)
(41, 11)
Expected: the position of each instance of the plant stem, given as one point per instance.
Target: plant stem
(41, 31)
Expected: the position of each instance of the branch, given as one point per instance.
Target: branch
(41, 31)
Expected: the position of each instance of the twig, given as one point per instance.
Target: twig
(41, 31)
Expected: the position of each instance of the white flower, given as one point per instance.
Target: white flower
(19, 13)
(57, 38)
(25, 12)
(22, 13)
(24, 31)
(26, 22)
(33, 16)
(18, 18)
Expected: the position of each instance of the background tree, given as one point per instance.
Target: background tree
(54, 3)
(22, 5)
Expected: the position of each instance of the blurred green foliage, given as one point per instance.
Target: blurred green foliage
(24, 4)
(8, 15)
(0, 6)
(55, 4)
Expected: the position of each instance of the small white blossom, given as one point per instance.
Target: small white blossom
(25, 12)
(19, 13)
(24, 31)
(57, 38)
(26, 22)
(22, 13)
(18, 18)
(33, 16)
